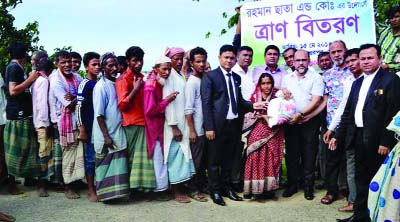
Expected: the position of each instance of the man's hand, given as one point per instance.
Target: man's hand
(210, 135)
(332, 144)
(260, 105)
(177, 134)
(385, 66)
(82, 134)
(171, 97)
(33, 75)
(327, 136)
(69, 96)
(138, 83)
(192, 136)
(383, 150)
(108, 144)
(305, 119)
(295, 118)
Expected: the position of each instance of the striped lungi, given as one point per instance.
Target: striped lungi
(73, 167)
(141, 168)
(112, 176)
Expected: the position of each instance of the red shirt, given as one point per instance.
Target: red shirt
(132, 112)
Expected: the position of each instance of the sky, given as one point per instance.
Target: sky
(115, 25)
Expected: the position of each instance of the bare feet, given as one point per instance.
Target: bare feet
(181, 198)
(42, 192)
(92, 197)
(13, 190)
(70, 194)
(6, 218)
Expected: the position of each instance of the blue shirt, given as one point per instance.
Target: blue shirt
(85, 105)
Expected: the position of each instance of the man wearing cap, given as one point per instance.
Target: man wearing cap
(154, 114)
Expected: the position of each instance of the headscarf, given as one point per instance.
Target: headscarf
(170, 52)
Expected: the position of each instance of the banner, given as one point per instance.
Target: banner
(310, 25)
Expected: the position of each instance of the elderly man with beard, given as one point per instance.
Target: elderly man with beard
(154, 114)
(112, 175)
(177, 152)
(301, 135)
(64, 85)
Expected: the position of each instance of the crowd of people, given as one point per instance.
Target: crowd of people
(186, 130)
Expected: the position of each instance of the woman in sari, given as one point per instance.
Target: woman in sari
(264, 146)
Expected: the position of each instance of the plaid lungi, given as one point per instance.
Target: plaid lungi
(21, 149)
(141, 168)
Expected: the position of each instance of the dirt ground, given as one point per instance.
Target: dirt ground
(29, 207)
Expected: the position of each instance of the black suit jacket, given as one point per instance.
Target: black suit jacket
(215, 99)
(381, 104)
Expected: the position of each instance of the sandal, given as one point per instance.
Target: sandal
(180, 198)
(198, 196)
(328, 199)
(347, 208)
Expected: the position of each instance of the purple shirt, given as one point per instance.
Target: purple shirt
(278, 74)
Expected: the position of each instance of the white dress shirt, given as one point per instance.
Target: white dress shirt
(303, 88)
(366, 83)
(230, 115)
(247, 85)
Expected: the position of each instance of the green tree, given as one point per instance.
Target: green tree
(381, 6)
(9, 33)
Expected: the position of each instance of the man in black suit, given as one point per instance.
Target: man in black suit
(373, 101)
(222, 104)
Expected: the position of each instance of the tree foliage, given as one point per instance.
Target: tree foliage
(381, 6)
(9, 33)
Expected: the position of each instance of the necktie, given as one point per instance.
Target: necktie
(231, 95)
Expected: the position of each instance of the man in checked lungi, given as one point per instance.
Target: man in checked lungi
(129, 88)
(20, 145)
(64, 86)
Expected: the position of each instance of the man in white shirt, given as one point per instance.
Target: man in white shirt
(194, 118)
(242, 68)
(288, 55)
(301, 135)
(372, 102)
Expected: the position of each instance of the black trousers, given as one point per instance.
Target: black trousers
(334, 162)
(301, 149)
(367, 163)
(221, 155)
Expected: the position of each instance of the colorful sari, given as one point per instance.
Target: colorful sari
(264, 152)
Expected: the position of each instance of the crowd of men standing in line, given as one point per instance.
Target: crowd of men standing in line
(137, 136)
